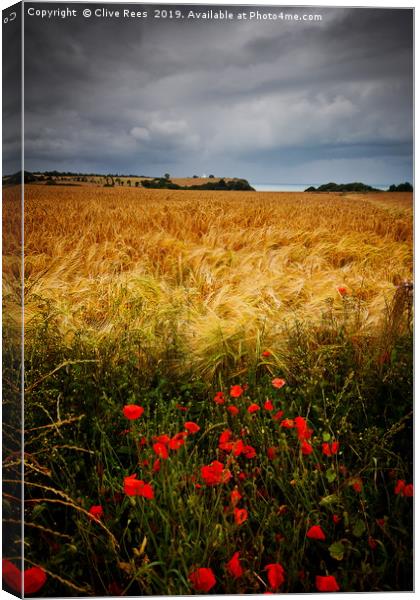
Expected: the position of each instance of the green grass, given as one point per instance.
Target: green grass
(350, 387)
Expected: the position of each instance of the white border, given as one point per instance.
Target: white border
(321, 3)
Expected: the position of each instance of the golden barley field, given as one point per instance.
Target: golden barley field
(216, 270)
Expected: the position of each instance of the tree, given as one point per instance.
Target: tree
(401, 187)
(167, 176)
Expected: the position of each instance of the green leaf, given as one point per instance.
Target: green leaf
(328, 500)
(7, 508)
(337, 550)
(331, 475)
(38, 509)
(358, 528)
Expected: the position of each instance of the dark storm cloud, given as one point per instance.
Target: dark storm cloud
(12, 89)
(270, 101)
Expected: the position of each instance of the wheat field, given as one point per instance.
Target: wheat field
(217, 271)
(273, 323)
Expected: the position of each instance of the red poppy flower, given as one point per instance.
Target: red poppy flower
(202, 580)
(33, 579)
(137, 487)
(225, 436)
(336, 519)
(235, 496)
(278, 415)
(234, 410)
(161, 450)
(399, 488)
(253, 408)
(12, 575)
(234, 566)
(177, 440)
(330, 449)
(357, 485)
(237, 447)
(162, 439)
(326, 583)
(225, 442)
(219, 398)
(306, 448)
(303, 431)
(268, 405)
(96, 512)
(215, 473)
(373, 544)
(380, 522)
(266, 353)
(409, 490)
(236, 391)
(271, 453)
(133, 411)
(181, 408)
(315, 533)
(287, 423)
(275, 575)
(142, 442)
(342, 290)
(240, 515)
(191, 427)
(278, 382)
(156, 466)
(404, 489)
(249, 452)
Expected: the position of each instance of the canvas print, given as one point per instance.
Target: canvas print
(207, 299)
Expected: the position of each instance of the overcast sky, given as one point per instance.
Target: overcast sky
(304, 102)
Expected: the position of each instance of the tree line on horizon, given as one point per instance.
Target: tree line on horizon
(165, 182)
(357, 186)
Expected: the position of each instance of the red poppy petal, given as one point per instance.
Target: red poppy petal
(34, 579)
(12, 575)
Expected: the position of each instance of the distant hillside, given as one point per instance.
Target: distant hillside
(16, 178)
(68, 178)
(343, 187)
